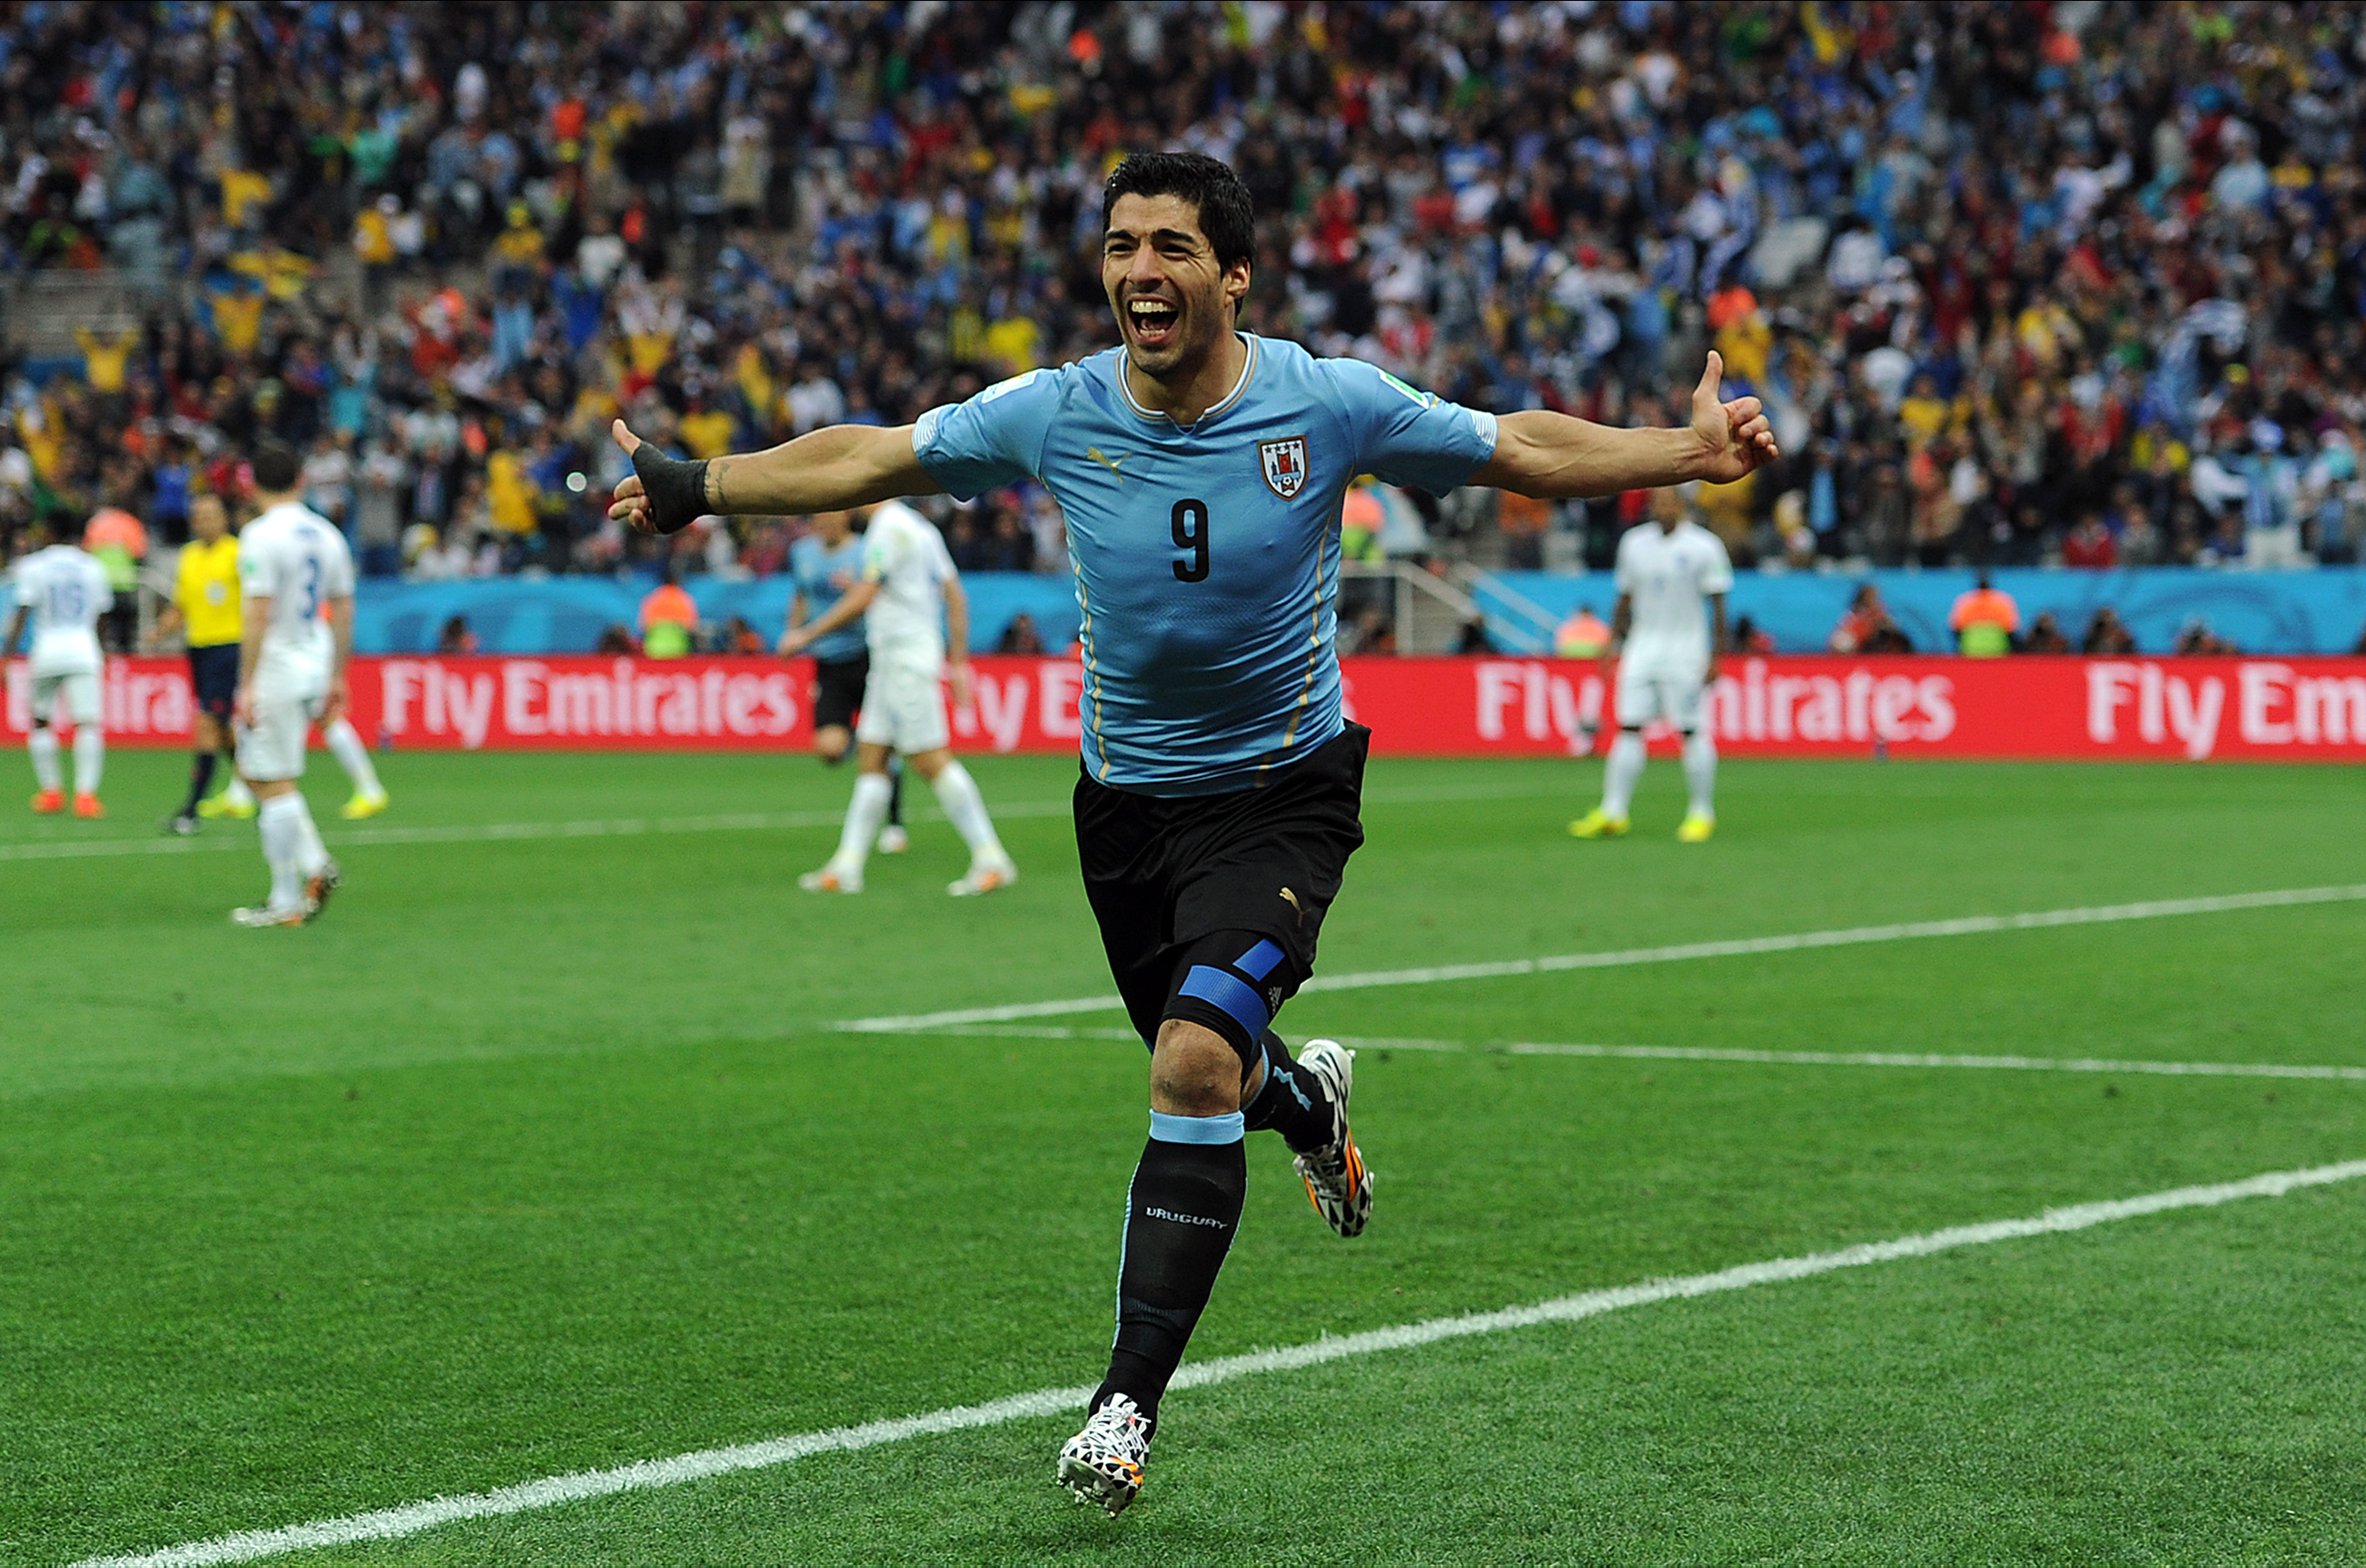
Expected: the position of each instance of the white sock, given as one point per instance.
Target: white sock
(238, 794)
(43, 744)
(1700, 771)
(957, 793)
(1620, 774)
(90, 758)
(345, 745)
(282, 824)
(863, 815)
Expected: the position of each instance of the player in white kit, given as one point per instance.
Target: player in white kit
(909, 595)
(1673, 576)
(292, 565)
(62, 592)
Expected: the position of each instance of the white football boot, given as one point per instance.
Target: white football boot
(831, 878)
(1336, 1182)
(985, 876)
(1103, 1462)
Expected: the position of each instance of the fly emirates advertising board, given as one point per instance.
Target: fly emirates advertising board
(2189, 709)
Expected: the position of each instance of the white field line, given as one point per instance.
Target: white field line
(1795, 941)
(627, 827)
(412, 1517)
(1765, 1058)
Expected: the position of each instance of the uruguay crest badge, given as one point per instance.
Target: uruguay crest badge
(1284, 463)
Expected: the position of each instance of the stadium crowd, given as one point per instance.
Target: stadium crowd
(2021, 283)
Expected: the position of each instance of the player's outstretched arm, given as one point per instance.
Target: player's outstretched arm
(1552, 457)
(833, 469)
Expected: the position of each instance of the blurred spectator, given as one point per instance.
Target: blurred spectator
(1584, 636)
(1868, 626)
(1020, 636)
(1750, 638)
(119, 543)
(2045, 636)
(1473, 639)
(2091, 544)
(2107, 634)
(455, 639)
(668, 618)
(2195, 636)
(739, 637)
(1984, 621)
(615, 640)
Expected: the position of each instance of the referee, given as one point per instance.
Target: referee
(206, 603)
(1201, 470)
(823, 565)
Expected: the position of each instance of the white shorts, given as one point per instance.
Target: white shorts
(1647, 692)
(81, 688)
(903, 707)
(272, 747)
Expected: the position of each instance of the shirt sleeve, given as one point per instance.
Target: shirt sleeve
(102, 593)
(1405, 435)
(256, 579)
(1623, 578)
(337, 581)
(883, 548)
(23, 590)
(997, 439)
(1717, 567)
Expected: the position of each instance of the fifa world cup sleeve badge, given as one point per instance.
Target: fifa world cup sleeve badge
(1284, 465)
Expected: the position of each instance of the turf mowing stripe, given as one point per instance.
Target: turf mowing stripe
(412, 1517)
(1729, 1053)
(1852, 936)
(630, 827)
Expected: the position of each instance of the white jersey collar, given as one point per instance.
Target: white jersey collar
(1249, 368)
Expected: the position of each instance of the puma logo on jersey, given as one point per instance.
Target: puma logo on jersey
(1292, 899)
(1109, 463)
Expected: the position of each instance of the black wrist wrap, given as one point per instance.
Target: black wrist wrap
(676, 488)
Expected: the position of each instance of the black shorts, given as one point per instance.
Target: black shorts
(213, 678)
(1164, 873)
(838, 690)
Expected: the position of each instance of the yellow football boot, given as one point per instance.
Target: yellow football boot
(1697, 829)
(363, 806)
(1597, 824)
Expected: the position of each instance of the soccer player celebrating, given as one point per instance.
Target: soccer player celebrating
(1200, 470)
(63, 591)
(293, 565)
(205, 604)
(824, 564)
(1666, 649)
(912, 608)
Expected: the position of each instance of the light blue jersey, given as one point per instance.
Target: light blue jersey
(1206, 555)
(823, 576)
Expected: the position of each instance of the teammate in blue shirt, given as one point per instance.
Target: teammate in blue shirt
(824, 564)
(1202, 472)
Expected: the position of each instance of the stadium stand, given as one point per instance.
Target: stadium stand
(2096, 296)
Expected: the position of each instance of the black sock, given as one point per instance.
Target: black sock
(894, 791)
(1293, 1101)
(1181, 1213)
(201, 773)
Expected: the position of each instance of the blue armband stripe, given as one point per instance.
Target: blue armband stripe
(1258, 961)
(1216, 986)
(1229, 1128)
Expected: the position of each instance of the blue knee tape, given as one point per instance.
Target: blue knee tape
(1227, 992)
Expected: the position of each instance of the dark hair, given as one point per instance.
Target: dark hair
(1227, 215)
(275, 466)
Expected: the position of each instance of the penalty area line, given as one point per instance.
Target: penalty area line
(412, 1517)
(1794, 941)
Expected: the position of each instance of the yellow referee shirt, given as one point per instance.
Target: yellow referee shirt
(207, 592)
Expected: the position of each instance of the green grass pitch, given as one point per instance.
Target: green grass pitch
(539, 1154)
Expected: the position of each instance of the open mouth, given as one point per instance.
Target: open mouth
(1155, 321)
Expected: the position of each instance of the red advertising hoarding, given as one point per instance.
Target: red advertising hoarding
(2291, 709)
